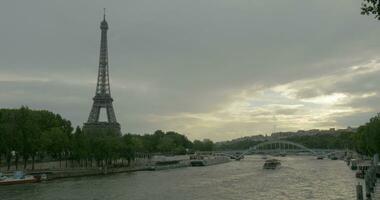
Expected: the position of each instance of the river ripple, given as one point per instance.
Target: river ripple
(298, 178)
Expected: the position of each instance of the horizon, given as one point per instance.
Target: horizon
(218, 69)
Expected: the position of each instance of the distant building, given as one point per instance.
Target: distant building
(332, 131)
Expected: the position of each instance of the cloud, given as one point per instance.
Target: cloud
(260, 109)
(217, 68)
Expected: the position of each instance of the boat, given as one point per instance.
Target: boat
(360, 174)
(18, 177)
(271, 164)
(354, 164)
(238, 158)
(320, 157)
(282, 154)
(264, 157)
(168, 164)
(334, 158)
(207, 159)
(364, 165)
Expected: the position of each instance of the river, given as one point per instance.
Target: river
(299, 177)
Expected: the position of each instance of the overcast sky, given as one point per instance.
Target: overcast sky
(217, 69)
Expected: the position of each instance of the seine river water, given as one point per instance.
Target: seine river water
(298, 178)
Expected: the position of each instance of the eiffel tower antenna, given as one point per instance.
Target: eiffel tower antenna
(102, 98)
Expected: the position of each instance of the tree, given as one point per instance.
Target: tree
(371, 7)
(79, 147)
(166, 144)
(8, 138)
(32, 138)
(368, 137)
(55, 143)
(205, 145)
(127, 148)
(3, 144)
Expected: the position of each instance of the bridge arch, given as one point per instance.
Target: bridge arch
(274, 142)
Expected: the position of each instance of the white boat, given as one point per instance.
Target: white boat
(18, 178)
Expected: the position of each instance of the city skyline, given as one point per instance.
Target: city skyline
(207, 73)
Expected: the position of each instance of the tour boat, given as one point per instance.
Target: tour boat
(271, 164)
(205, 160)
(18, 178)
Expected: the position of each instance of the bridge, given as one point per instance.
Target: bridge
(280, 147)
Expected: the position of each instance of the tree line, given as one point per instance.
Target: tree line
(29, 136)
(342, 140)
(26, 134)
(38, 135)
(371, 7)
(366, 140)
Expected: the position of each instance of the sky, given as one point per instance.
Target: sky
(217, 69)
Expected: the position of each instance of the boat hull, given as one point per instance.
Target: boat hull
(18, 181)
(209, 161)
(272, 164)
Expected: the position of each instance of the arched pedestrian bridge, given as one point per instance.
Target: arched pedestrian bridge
(278, 147)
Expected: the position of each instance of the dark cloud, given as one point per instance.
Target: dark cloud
(177, 56)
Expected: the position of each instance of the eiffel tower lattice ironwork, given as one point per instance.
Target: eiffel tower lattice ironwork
(102, 98)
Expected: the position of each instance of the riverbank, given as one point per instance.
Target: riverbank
(155, 163)
(52, 174)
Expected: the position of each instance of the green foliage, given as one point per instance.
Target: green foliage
(205, 145)
(30, 134)
(343, 140)
(368, 137)
(371, 7)
(27, 133)
(55, 142)
(365, 141)
(161, 142)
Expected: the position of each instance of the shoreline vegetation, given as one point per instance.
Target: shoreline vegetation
(365, 140)
(30, 136)
(42, 141)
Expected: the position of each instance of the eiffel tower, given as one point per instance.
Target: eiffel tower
(102, 98)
